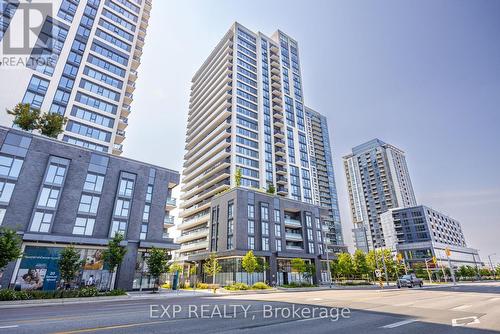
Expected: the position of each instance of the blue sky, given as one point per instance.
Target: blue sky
(421, 75)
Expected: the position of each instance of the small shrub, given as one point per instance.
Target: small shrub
(88, 292)
(298, 285)
(7, 294)
(166, 285)
(202, 285)
(116, 292)
(237, 286)
(260, 286)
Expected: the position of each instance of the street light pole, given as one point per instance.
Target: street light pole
(327, 259)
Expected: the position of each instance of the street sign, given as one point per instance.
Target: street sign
(378, 273)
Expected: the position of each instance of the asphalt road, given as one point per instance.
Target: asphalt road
(473, 308)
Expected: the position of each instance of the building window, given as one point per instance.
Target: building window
(118, 227)
(122, 208)
(311, 248)
(264, 212)
(41, 222)
(84, 226)
(48, 197)
(2, 215)
(277, 230)
(251, 243)
(251, 211)
(55, 174)
(126, 187)
(93, 182)
(145, 213)
(230, 227)
(277, 216)
(6, 189)
(308, 221)
(230, 208)
(278, 245)
(265, 244)
(88, 204)
(230, 242)
(251, 227)
(149, 193)
(265, 228)
(10, 166)
(144, 231)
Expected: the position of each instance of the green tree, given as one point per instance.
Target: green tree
(175, 267)
(485, 272)
(157, 264)
(113, 256)
(334, 269)
(10, 246)
(25, 117)
(237, 177)
(212, 267)
(271, 189)
(372, 262)
(360, 263)
(249, 264)
(345, 265)
(69, 264)
(262, 265)
(51, 124)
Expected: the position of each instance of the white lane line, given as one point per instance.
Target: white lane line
(464, 321)
(461, 307)
(399, 323)
(315, 299)
(11, 326)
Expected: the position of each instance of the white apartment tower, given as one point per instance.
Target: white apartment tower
(83, 65)
(377, 180)
(246, 113)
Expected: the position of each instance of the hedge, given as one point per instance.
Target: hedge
(8, 294)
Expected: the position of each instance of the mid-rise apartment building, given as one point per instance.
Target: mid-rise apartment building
(377, 180)
(55, 194)
(247, 114)
(420, 233)
(83, 65)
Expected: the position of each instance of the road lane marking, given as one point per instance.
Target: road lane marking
(465, 321)
(399, 323)
(11, 326)
(103, 328)
(461, 307)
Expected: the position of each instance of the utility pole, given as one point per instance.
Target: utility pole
(385, 268)
(327, 259)
(491, 265)
(448, 253)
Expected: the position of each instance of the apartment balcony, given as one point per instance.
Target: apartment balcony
(279, 133)
(280, 161)
(290, 222)
(205, 164)
(279, 151)
(117, 149)
(194, 221)
(279, 122)
(279, 142)
(293, 236)
(275, 57)
(194, 246)
(282, 191)
(281, 179)
(276, 84)
(325, 228)
(168, 221)
(133, 74)
(278, 108)
(140, 42)
(193, 235)
(130, 87)
(142, 32)
(122, 123)
(212, 170)
(205, 189)
(280, 170)
(170, 203)
(275, 70)
(291, 247)
(120, 136)
(126, 109)
(128, 98)
(275, 77)
(136, 61)
(276, 99)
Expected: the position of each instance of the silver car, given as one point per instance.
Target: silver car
(409, 281)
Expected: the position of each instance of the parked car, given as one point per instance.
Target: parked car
(409, 281)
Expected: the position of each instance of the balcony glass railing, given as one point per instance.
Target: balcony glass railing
(168, 219)
(171, 201)
(293, 222)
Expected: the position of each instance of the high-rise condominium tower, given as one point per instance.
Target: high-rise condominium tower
(83, 65)
(246, 113)
(378, 180)
(322, 171)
